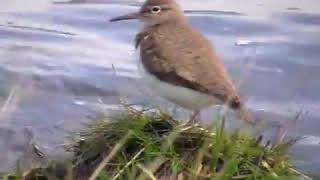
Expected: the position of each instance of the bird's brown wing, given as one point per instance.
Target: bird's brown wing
(175, 57)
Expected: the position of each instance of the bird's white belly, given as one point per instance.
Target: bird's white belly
(181, 96)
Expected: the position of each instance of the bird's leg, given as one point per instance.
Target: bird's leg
(195, 117)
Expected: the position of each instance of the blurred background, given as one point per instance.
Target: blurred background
(63, 64)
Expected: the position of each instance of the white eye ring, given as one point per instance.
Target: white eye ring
(155, 9)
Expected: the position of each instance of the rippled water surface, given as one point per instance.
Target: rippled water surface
(63, 66)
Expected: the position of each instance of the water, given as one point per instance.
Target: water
(65, 64)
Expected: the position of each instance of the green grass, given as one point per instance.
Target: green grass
(152, 145)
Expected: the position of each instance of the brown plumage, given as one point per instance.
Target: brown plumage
(200, 70)
(175, 53)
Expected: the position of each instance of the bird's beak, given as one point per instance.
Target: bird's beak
(126, 17)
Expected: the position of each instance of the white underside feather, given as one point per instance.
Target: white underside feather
(184, 97)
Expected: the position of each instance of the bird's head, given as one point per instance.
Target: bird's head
(154, 12)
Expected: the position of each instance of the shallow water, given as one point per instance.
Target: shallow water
(63, 66)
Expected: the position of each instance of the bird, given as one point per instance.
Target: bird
(180, 64)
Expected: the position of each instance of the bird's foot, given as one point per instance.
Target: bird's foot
(194, 118)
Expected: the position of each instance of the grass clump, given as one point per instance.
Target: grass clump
(152, 145)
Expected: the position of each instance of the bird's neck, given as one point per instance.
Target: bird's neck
(174, 22)
(150, 29)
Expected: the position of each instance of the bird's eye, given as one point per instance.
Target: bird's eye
(155, 9)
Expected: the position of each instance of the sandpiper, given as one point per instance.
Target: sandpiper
(180, 63)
